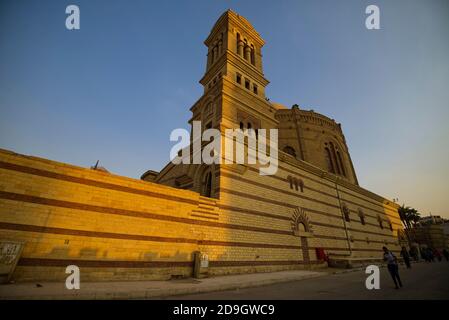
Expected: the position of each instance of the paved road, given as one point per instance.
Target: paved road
(423, 281)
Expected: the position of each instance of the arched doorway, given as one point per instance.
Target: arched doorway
(302, 228)
(304, 243)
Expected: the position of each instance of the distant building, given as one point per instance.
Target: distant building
(433, 233)
(431, 220)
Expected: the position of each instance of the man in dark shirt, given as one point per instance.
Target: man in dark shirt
(406, 257)
(392, 265)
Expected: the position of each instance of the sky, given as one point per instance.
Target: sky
(115, 89)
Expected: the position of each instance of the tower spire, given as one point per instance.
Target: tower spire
(234, 47)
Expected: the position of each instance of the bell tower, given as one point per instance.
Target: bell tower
(234, 83)
(235, 46)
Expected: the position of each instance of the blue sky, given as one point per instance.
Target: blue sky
(116, 88)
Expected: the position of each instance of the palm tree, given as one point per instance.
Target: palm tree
(414, 216)
(408, 217)
(404, 214)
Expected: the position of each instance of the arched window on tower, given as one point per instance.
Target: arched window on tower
(329, 162)
(242, 126)
(206, 184)
(334, 158)
(238, 45)
(251, 131)
(343, 171)
(289, 150)
(253, 56)
(211, 54)
(220, 44)
(246, 50)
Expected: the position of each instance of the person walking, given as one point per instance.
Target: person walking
(431, 255)
(423, 254)
(446, 254)
(437, 254)
(405, 255)
(392, 265)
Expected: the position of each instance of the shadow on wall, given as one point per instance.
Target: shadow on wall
(69, 215)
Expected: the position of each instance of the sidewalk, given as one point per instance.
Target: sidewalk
(152, 289)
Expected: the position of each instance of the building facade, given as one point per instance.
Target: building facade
(119, 228)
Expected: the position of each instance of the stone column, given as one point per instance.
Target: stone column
(220, 47)
(240, 48)
(247, 53)
(215, 53)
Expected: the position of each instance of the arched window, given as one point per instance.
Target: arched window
(206, 184)
(220, 44)
(249, 126)
(346, 213)
(334, 158)
(343, 171)
(379, 219)
(290, 180)
(253, 60)
(242, 126)
(289, 150)
(301, 185)
(301, 227)
(295, 181)
(329, 162)
(208, 109)
(362, 217)
(238, 44)
(246, 50)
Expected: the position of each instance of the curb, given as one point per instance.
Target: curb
(162, 293)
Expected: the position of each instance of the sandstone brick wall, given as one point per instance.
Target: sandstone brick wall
(111, 227)
(114, 227)
(270, 203)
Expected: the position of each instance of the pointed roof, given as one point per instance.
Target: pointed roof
(229, 16)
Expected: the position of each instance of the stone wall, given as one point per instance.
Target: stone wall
(111, 227)
(314, 199)
(118, 228)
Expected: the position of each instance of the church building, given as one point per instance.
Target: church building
(311, 211)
